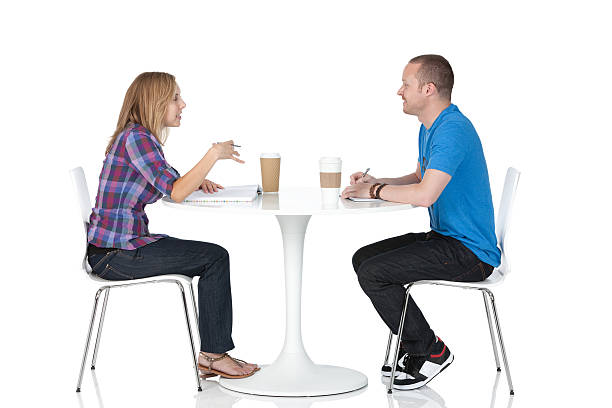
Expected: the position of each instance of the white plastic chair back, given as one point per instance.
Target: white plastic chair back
(82, 195)
(504, 214)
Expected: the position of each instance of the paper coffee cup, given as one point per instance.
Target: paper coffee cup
(330, 172)
(270, 171)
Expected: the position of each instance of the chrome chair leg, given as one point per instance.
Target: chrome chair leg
(493, 342)
(501, 341)
(193, 355)
(388, 348)
(102, 314)
(399, 339)
(195, 309)
(91, 323)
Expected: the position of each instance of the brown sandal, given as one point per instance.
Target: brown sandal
(209, 371)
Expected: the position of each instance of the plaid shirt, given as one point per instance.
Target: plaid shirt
(135, 173)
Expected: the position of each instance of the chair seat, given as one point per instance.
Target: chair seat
(182, 278)
(494, 279)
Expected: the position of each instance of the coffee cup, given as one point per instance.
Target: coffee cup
(330, 174)
(270, 171)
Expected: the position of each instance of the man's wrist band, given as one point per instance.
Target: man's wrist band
(378, 190)
(372, 195)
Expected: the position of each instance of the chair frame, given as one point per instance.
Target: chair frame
(82, 192)
(498, 275)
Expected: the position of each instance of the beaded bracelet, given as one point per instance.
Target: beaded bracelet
(372, 190)
(377, 195)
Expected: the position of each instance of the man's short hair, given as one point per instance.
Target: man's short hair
(437, 70)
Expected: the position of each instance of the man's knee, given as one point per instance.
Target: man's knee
(358, 258)
(366, 275)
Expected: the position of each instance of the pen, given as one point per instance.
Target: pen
(365, 172)
(233, 145)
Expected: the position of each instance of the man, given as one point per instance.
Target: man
(452, 181)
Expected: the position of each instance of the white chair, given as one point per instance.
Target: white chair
(82, 192)
(496, 278)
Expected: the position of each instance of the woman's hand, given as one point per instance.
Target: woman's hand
(210, 186)
(359, 178)
(225, 150)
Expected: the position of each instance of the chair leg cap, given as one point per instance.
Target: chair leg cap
(511, 392)
(199, 389)
(498, 369)
(93, 367)
(78, 389)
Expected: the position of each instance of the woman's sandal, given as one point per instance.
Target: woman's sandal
(209, 371)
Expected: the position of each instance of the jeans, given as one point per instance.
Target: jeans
(383, 268)
(191, 258)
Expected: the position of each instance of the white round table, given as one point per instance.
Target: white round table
(293, 374)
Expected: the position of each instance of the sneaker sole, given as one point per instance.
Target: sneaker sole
(422, 383)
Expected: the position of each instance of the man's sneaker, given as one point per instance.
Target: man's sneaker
(420, 370)
(400, 370)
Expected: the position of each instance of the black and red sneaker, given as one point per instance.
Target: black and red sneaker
(422, 369)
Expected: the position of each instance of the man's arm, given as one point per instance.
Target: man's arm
(411, 178)
(422, 194)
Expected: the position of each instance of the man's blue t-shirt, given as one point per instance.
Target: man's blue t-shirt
(464, 210)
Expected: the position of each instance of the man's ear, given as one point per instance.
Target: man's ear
(430, 89)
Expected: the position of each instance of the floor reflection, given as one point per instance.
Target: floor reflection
(290, 402)
(97, 390)
(213, 395)
(426, 397)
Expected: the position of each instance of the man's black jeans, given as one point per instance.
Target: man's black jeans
(383, 268)
(192, 258)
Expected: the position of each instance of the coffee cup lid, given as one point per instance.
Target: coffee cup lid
(330, 159)
(270, 156)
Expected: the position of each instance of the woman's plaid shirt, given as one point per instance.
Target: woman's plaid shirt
(135, 173)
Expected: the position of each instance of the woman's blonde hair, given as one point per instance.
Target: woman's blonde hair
(145, 103)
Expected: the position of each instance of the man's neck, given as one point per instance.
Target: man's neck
(430, 113)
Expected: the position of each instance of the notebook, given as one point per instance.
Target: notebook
(231, 194)
(362, 200)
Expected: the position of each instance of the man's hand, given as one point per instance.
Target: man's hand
(360, 190)
(359, 178)
(210, 187)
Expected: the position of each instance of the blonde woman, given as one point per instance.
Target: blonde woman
(135, 173)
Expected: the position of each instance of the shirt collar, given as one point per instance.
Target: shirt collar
(450, 109)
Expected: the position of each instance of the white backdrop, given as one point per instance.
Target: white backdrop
(306, 79)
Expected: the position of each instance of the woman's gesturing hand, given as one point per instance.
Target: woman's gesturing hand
(225, 150)
(210, 186)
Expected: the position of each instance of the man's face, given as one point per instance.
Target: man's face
(413, 97)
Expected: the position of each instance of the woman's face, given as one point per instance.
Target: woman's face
(175, 107)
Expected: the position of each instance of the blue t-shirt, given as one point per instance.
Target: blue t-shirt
(464, 210)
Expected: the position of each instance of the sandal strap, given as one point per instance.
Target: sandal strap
(212, 360)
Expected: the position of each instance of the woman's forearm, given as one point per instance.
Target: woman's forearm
(190, 182)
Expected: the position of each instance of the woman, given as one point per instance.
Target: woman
(135, 173)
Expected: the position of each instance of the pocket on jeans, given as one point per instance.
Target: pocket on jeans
(99, 265)
(475, 274)
(110, 273)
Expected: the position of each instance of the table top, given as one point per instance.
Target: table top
(293, 201)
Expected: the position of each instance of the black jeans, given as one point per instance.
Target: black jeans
(383, 268)
(192, 258)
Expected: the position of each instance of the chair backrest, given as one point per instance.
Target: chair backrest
(82, 195)
(504, 214)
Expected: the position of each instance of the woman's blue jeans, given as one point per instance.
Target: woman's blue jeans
(191, 258)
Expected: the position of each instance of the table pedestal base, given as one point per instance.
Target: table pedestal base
(293, 379)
